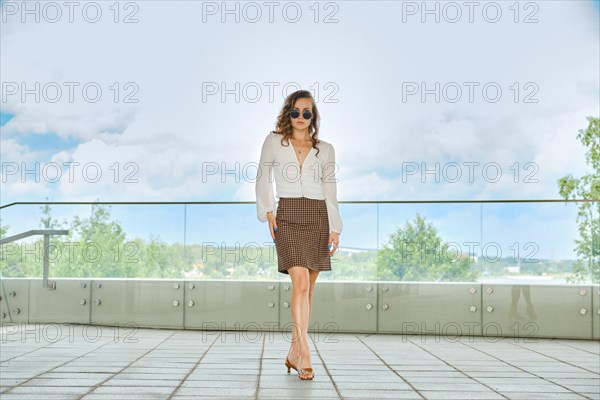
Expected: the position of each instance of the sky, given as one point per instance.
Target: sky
(148, 96)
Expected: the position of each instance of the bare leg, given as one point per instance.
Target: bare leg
(300, 315)
(294, 347)
(313, 279)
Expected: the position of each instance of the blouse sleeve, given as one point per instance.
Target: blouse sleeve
(265, 198)
(330, 189)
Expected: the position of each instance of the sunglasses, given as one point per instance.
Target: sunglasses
(306, 114)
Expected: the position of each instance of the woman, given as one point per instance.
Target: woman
(306, 224)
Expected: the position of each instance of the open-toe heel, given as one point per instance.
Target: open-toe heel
(289, 365)
(303, 371)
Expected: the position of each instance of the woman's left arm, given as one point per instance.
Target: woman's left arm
(330, 190)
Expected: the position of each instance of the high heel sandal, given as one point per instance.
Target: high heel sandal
(303, 371)
(289, 365)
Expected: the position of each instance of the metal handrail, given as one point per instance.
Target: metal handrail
(46, 233)
(340, 201)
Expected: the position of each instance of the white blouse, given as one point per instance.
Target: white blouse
(314, 179)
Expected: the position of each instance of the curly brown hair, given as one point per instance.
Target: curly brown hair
(284, 125)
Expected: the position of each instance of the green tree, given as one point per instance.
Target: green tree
(7, 263)
(18, 259)
(3, 229)
(587, 267)
(104, 251)
(96, 246)
(417, 253)
(154, 258)
(100, 241)
(46, 222)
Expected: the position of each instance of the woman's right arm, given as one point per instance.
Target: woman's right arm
(265, 198)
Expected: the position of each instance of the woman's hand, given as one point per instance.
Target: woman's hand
(335, 238)
(272, 224)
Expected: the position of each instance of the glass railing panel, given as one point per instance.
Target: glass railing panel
(24, 257)
(104, 240)
(595, 244)
(534, 242)
(142, 241)
(226, 241)
(356, 258)
(435, 242)
(429, 242)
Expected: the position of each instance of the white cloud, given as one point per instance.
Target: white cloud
(171, 132)
(11, 150)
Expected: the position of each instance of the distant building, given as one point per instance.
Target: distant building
(513, 269)
(196, 271)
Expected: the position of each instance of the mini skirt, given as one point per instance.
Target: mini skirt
(302, 234)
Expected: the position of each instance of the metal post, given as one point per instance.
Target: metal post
(45, 283)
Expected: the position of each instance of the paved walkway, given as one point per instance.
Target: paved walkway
(89, 362)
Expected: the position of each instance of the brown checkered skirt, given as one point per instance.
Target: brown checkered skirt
(302, 234)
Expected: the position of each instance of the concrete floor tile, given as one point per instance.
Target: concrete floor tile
(446, 395)
(354, 366)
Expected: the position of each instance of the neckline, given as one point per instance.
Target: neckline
(296, 157)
